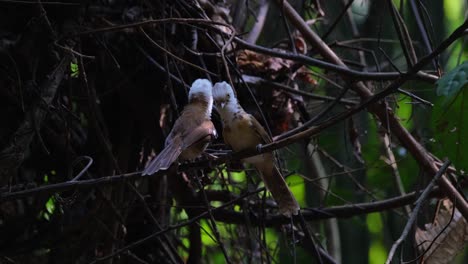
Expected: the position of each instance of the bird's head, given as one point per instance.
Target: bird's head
(201, 92)
(223, 95)
(201, 87)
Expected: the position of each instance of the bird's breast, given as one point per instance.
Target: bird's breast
(240, 135)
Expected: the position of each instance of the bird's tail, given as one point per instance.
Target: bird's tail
(278, 187)
(164, 159)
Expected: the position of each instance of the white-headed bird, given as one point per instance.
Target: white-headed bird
(242, 131)
(192, 131)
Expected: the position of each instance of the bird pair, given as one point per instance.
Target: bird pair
(193, 131)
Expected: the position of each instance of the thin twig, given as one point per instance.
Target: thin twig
(380, 110)
(338, 19)
(165, 230)
(175, 56)
(261, 18)
(403, 35)
(279, 86)
(214, 227)
(357, 75)
(392, 163)
(416, 209)
(296, 57)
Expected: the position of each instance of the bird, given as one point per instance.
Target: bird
(242, 131)
(192, 131)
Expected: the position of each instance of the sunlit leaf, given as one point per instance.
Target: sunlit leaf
(46, 216)
(297, 187)
(272, 240)
(374, 223)
(404, 111)
(452, 82)
(50, 205)
(377, 253)
(238, 176)
(206, 234)
(74, 70)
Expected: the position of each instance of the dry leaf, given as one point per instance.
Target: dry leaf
(269, 67)
(449, 242)
(305, 75)
(301, 45)
(249, 61)
(282, 112)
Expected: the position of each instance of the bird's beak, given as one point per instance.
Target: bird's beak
(222, 104)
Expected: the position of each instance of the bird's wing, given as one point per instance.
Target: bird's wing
(258, 128)
(226, 133)
(206, 128)
(170, 153)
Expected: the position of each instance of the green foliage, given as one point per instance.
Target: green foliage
(50, 205)
(234, 177)
(374, 223)
(183, 232)
(404, 111)
(208, 238)
(452, 82)
(297, 187)
(378, 178)
(453, 13)
(449, 117)
(377, 250)
(74, 69)
(272, 240)
(49, 209)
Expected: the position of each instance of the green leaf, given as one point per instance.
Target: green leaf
(450, 130)
(297, 187)
(452, 82)
(207, 235)
(374, 223)
(377, 252)
(404, 111)
(50, 205)
(74, 70)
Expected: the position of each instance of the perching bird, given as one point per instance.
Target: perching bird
(192, 131)
(242, 131)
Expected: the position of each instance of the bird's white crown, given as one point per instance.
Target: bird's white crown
(203, 87)
(222, 91)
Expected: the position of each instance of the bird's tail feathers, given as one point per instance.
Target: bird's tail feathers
(278, 187)
(164, 159)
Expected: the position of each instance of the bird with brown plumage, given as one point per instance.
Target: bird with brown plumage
(242, 131)
(192, 131)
